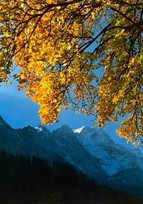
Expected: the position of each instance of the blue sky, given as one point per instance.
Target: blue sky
(19, 111)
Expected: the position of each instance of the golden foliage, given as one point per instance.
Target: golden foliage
(59, 46)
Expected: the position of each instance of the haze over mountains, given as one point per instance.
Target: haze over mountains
(90, 151)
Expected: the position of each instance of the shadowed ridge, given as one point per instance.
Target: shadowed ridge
(4, 123)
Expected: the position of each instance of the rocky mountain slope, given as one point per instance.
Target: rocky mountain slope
(88, 150)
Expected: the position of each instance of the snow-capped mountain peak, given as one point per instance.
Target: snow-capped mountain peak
(90, 150)
(38, 128)
(79, 130)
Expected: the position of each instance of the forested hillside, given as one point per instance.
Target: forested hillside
(33, 181)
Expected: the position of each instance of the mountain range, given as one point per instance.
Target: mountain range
(89, 150)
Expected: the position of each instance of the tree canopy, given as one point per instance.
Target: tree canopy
(61, 46)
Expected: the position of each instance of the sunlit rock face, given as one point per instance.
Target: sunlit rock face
(89, 150)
